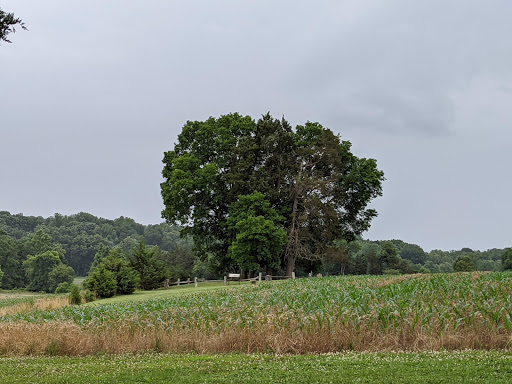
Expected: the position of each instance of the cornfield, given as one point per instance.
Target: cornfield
(414, 312)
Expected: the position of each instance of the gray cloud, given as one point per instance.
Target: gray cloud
(399, 65)
(95, 92)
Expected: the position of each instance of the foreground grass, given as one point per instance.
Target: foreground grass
(438, 367)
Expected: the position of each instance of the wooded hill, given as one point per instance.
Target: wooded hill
(78, 238)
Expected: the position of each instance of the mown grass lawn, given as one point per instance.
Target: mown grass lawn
(163, 293)
(390, 367)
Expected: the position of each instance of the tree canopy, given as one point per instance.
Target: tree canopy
(506, 259)
(308, 176)
(8, 25)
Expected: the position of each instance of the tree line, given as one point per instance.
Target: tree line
(41, 253)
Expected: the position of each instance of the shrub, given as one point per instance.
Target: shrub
(88, 296)
(102, 282)
(60, 274)
(112, 275)
(64, 287)
(127, 279)
(149, 265)
(74, 295)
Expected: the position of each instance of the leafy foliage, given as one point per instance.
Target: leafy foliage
(464, 264)
(79, 237)
(61, 274)
(149, 265)
(258, 237)
(102, 282)
(63, 287)
(74, 295)
(8, 25)
(506, 259)
(45, 271)
(11, 261)
(125, 278)
(308, 176)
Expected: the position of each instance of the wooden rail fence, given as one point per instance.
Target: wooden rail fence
(229, 277)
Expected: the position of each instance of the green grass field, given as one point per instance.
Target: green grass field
(79, 281)
(349, 367)
(165, 293)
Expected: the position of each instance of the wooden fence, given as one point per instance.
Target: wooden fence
(227, 279)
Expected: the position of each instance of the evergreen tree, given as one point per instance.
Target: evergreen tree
(149, 265)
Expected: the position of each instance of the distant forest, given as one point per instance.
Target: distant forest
(79, 237)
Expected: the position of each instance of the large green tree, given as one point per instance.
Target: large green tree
(46, 270)
(8, 25)
(257, 235)
(389, 256)
(308, 175)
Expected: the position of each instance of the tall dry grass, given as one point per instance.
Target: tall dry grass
(44, 304)
(64, 338)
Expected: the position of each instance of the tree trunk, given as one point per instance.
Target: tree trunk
(290, 265)
(293, 237)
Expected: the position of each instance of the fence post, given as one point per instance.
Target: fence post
(259, 278)
(225, 280)
(178, 282)
(195, 281)
(293, 275)
(268, 278)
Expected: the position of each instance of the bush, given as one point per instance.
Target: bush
(127, 280)
(64, 287)
(60, 274)
(102, 282)
(74, 295)
(88, 296)
(112, 276)
(149, 265)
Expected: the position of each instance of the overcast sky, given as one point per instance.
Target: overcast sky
(94, 93)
